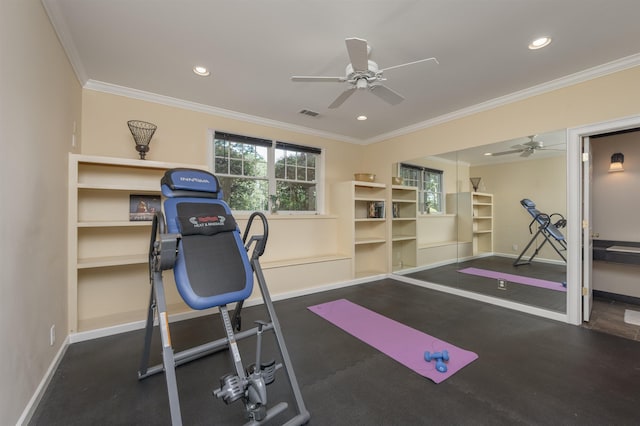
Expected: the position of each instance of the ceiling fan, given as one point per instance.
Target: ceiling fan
(525, 149)
(362, 73)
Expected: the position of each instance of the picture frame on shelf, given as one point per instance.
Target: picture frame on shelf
(376, 210)
(143, 207)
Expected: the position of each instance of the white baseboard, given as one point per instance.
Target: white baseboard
(30, 409)
(558, 316)
(537, 259)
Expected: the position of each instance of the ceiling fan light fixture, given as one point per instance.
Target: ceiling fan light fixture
(539, 43)
(201, 71)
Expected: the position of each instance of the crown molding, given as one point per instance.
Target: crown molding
(579, 77)
(572, 79)
(114, 89)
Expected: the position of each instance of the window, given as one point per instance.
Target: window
(256, 174)
(295, 175)
(429, 183)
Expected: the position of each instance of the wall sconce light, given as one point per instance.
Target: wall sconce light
(616, 163)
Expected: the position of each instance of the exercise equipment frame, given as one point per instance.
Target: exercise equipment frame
(248, 384)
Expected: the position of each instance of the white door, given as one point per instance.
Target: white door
(587, 234)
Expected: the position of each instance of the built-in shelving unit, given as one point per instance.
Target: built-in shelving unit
(108, 254)
(363, 231)
(474, 211)
(482, 212)
(404, 208)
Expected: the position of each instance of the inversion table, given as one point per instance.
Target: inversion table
(201, 242)
(547, 228)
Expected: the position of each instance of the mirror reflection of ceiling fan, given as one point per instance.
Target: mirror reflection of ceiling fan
(362, 73)
(526, 149)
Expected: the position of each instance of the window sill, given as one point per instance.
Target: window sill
(288, 216)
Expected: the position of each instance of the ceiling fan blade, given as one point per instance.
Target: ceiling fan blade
(317, 79)
(513, 151)
(527, 153)
(410, 63)
(386, 94)
(358, 55)
(343, 97)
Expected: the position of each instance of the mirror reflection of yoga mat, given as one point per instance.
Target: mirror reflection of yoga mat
(400, 342)
(536, 282)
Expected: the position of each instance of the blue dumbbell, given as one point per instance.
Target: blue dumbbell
(439, 357)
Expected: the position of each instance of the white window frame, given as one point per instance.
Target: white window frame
(421, 191)
(271, 173)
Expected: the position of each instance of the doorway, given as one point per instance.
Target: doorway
(579, 204)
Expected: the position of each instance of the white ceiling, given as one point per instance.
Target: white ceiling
(147, 48)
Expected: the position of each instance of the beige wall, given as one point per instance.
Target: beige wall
(543, 181)
(615, 207)
(41, 100)
(182, 134)
(610, 97)
(39, 103)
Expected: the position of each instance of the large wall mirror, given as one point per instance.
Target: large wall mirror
(476, 233)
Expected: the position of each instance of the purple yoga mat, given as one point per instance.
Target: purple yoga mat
(551, 285)
(402, 343)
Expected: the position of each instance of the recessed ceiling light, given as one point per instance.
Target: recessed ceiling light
(362, 117)
(488, 154)
(201, 71)
(539, 43)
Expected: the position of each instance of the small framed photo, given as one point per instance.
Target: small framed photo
(143, 207)
(376, 210)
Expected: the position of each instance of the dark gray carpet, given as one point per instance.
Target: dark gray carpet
(530, 370)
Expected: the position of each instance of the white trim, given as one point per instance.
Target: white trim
(559, 83)
(574, 207)
(114, 89)
(31, 406)
(528, 309)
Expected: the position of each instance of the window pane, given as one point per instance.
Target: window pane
(290, 172)
(221, 149)
(221, 165)
(235, 149)
(296, 196)
(235, 167)
(245, 194)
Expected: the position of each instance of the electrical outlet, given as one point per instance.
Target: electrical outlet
(514, 247)
(52, 335)
(502, 285)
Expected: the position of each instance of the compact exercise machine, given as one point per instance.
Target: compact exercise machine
(547, 228)
(201, 242)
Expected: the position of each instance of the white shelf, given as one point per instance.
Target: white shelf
(129, 188)
(369, 240)
(114, 224)
(107, 260)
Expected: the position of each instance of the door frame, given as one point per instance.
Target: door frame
(575, 182)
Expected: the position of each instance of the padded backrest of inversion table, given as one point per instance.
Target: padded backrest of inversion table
(542, 218)
(212, 266)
